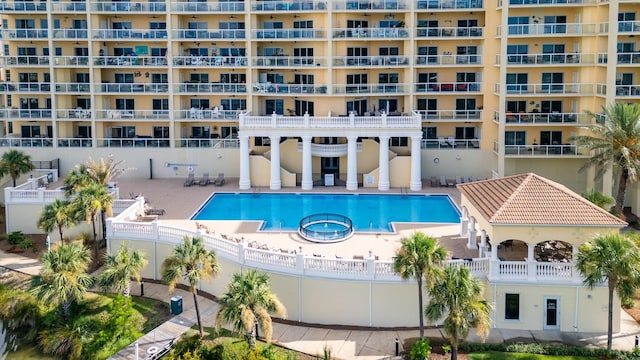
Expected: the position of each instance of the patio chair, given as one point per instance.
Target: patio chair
(443, 181)
(466, 179)
(219, 181)
(190, 180)
(458, 179)
(205, 180)
(154, 211)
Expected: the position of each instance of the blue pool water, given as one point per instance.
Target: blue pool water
(370, 212)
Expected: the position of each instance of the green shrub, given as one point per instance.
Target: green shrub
(547, 349)
(16, 237)
(26, 243)
(446, 348)
(420, 350)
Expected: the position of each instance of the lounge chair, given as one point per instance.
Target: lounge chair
(190, 180)
(443, 181)
(205, 180)
(219, 181)
(466, 179)
(458, 180)
(452, 141)
(154, 211)
(474, 178)
(442, 143)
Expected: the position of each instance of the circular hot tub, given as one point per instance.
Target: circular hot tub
(325, 228)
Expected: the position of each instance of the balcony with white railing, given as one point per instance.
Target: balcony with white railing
(285, 34)
(291, 89)
(128, 7)
(23, 7)
(383, 5)
(574, 89)
(451, 143)
(448, 60)
(126, 61)
(370, 33)
(209, 34)
(24, 34)
(329, 150)
(68, 7)
(74, 61)
(23, 60)
(449, 32)
(144, 88)
(24, 87)
(370, 88)
(448, 87)
(73, 87)
(207, 143)
(370, 61)
(538, 118)
(283, 6)
(383, 121)
(631, 58)
(17, 142)
(537, 30)
(188, 7)
(137, 115)
(128, 34)
(449, 5)
(209, 61)
(27, 114)
(628, 90)
(76, 142)
(72, 34)
(137, 142)
(535, 150)
(550, 3)
(548, 59)
(451, 115)
(286, 61)
(629, 27)
(213, 114)
(211, 88)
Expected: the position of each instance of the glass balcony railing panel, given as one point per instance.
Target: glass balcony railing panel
(75, 142)
(270, 88)
(25, 113)
(25, 34)
(629, 26)
(450, 115)
(448, 87)
(289, 34)
(628, 90)
(207, 114)
(551, 59)
(549, 89)
(364, 61)
(23, 6)
(73, 87)
(122, 34)
(295, 5)
(25, 87)
(210, 61)
(213, 6)
(631, 58)
(553, 118)
(207, 34)
(68, 6)
(103, 6)
(210, 88)
(370, 88)
(132, 114)
(24, 60)
(132, 88)
(370, 5)
(552, 2)
(551, 29)
(451, 144)
(207, 143)
(70, 33)
(71, 60)
(301, 61)
(371, 33)
(449, 60)
(449, 4)
(73, 114)
(543, 150)
(449, 32)
(129, 61)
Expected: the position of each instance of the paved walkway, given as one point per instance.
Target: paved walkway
(344, 344)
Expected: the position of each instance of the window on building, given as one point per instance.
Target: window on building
(82, 78)
(196, 103)
(515, 137)
(29, 131)
(388, 51)
(125, 104)
(199, 78)
(262, 141)
(626, 21)
(159, 78)
(233, 78)
(158, 51)
(548, 137)
(399, 141)
(430, 132)
(517, 54)
(303, 79)
(233, 104)
(303, 106)
(466, 108)
(550, 106)
(160, 106)
(28, 77)
(466, 132)
(517, 82)
(275, 78)
(274, 105)
(428, 106)
(427, 55)
(299, 55)
(124, 78)
(359, 107)
(517, 106)
(161, 132)
(555, 24)
(555, 79)
(518, 25)
(512, 306)
(356, 83)
(200, 132)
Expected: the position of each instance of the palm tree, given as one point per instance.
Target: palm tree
(616, 144)
(76, 179)
(63, 276)
(103, 172)
(91, 200)
(459, 295)
(19, 312)
(58, 214)
(191, 261)
(420, 257)
(614, 259)
(249, 301)
(599, 199)
(120, 268)
(15, 163)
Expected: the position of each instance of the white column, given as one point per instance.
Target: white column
(245, 162)
(352, 163)
(531, 262)
(416, 170)
(464, 222)
(471, 243)
(484, 248)
(383, 164)
(275, 163)
(307, 170)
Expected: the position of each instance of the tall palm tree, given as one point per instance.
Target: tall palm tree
(19, 312)
(63, 276)
(104, 171)
(76, 179)
(92, 200)
(15, 163)
(616, 144)
(420, 257)
(248, 301)
(120, 268)
(58, 214)
(614, 259)
(191, 261)
(459, 295)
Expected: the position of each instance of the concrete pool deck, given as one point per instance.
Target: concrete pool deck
(182, 202)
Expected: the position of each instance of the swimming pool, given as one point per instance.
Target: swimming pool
(369, 212)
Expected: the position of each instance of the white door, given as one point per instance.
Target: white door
(551, 319)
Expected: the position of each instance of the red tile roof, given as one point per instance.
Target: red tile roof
(531, 199)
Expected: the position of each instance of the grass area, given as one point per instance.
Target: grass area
(494, 355)
(28, 354)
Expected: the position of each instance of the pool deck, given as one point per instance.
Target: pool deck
(182, 202)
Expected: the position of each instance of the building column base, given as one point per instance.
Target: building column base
(416, 186)
(383, 186)
(275, 186)
(307, 185)
(352, 185)
(244, 185)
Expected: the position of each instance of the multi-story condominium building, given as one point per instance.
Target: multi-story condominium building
(379, 93)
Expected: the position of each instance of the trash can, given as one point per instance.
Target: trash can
(176, 305)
